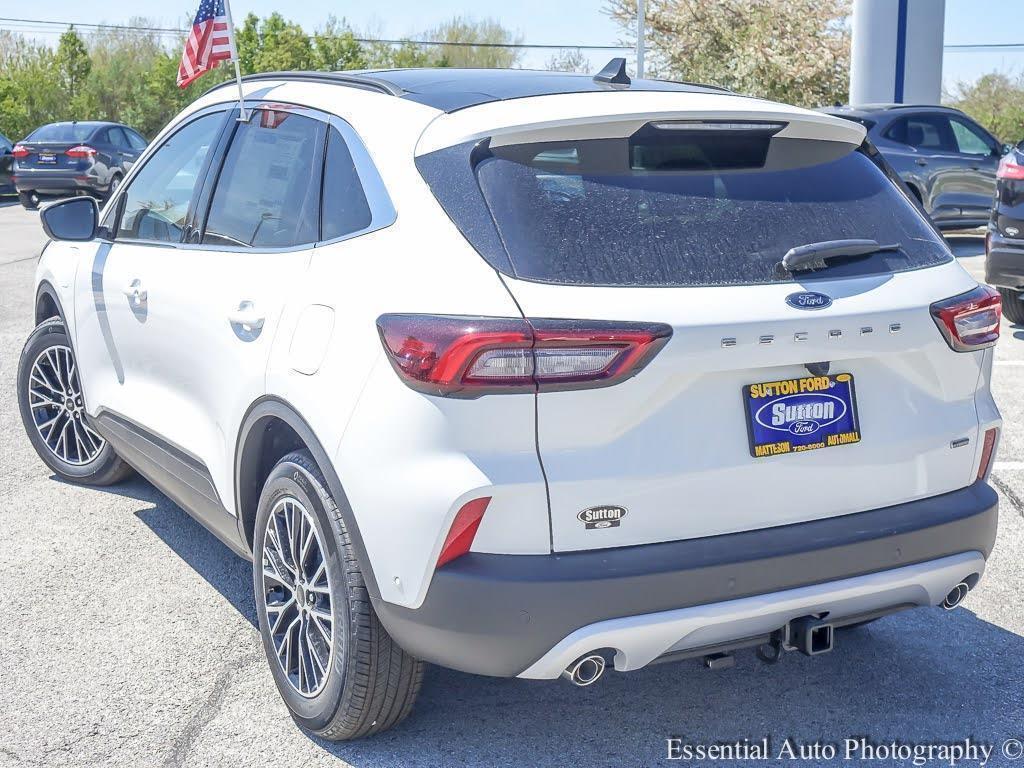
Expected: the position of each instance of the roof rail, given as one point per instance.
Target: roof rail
(336, 78)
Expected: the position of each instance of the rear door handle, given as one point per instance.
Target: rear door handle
(247, 316)
(921, 162)
(136, 294)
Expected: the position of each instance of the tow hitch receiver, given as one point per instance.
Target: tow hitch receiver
(811, 636)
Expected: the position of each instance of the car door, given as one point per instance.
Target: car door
(929, 140)
(212, 302)
(118, 345)
(126, 154)
(980, 154)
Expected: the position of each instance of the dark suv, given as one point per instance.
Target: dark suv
(76, 158)
(946, 159)
(1004, 242)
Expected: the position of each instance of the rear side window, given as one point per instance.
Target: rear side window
(928, 132)
(268, 191)
(62, 132)
(345, 209)
(118, 139)
(679, 209)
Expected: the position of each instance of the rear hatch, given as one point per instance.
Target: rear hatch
(783, 395)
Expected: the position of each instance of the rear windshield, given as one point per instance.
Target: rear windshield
(62, 132)
(678, 208)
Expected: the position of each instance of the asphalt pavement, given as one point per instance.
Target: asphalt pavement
(128, 638)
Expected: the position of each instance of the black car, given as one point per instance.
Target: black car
(78, 158)
(946, 159)
(6, 162)
(1004, 241)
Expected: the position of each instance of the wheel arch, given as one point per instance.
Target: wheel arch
(271, 429)
(48, 304)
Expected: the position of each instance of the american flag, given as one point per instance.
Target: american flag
(210, 42)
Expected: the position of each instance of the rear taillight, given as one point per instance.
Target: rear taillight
(463, 531)
(969, 321)
(1009, 168)
(987, 449)
(459, 356)
(80, 151)
(20, 151)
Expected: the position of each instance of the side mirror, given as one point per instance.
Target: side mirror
(1005, 149)
(74, 219)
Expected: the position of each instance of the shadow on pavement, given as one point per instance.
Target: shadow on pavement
(935, 676)
(966, 244)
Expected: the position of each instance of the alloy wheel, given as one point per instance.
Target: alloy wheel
(58, 410)
(297, 596)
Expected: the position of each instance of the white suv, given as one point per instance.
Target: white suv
(521, 373)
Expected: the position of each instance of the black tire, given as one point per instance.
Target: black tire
(370, 684)
(1013, 307)
(115, 183)
(28, 200)
(79, 464)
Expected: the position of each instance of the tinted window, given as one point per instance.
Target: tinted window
(969, 138)
(268, 192)
(5, 143)
(157, 200)
(598, 212)
(928, 132)
(118, 139)
(345, 209)
(135, 140)
(63, 132)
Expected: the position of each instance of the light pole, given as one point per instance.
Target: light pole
(640, 14)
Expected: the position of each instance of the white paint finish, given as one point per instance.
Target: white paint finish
(177, 365)
(408, 461)
(671, 443)
(639, 640)
(621, 113)
(873, 52)
(310, 338)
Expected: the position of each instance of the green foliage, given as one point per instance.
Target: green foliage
(73, 64)
(129, 75)
(469, 31)
(997, 102)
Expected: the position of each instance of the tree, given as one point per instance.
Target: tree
(568, 60)
(335, 48)
(273, 45)
(996, 101)
(796, 51)
(480, 43)
(73, 63)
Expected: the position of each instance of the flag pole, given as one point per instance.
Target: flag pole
(242, 116)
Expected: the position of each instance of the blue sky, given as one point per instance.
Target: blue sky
(539, 21)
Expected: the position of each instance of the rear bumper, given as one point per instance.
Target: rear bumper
(56, 182)
(1004, 264)
(509, 615)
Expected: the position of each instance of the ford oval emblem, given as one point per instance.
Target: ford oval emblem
(808, 300)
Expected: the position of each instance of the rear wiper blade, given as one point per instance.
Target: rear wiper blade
(815, 255)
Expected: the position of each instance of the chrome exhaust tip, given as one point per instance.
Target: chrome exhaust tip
(585, 671)
(956, 596)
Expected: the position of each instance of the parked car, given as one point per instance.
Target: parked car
(81, 158)
(946, 159)
(1004, 241)
(642, 371)
(6, 163)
